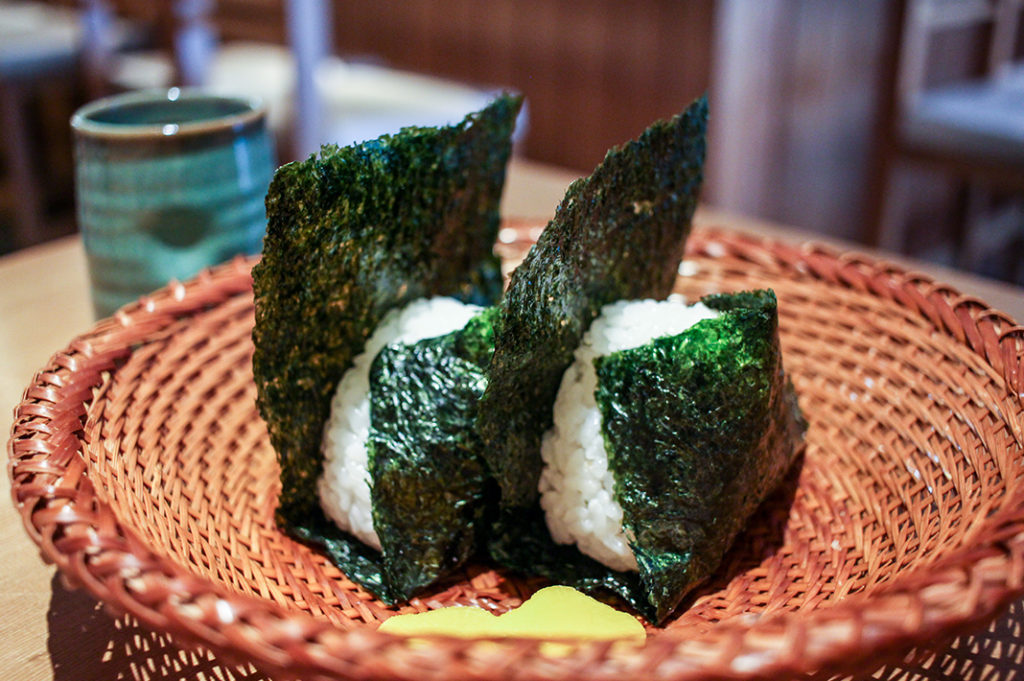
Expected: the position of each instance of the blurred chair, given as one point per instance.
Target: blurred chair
(189, 53)
(312, 97)
(44, 54)
(179, 44)
(38, 44)
(972, 130)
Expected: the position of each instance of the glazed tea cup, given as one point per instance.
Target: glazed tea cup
(167, 183)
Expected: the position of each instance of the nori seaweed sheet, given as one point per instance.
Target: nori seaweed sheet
(520, 540)
(700, 428)
(351, 234)
(429, 485)
(618, 234)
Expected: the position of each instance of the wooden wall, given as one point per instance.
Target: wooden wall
(258, 20)
(595, 73)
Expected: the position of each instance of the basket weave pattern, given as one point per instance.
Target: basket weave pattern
(142, 469)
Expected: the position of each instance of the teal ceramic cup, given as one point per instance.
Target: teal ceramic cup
(167, 183)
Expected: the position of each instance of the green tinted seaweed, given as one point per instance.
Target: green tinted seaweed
(699, 428)
(429, 485)
(520, 540)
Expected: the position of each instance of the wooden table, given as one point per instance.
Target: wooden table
(48, 632)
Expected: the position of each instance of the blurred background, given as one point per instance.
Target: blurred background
(891, 123)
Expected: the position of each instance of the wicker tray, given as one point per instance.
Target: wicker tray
(141, 468)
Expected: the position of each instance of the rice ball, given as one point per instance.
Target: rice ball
(577, 489)
(344, 486)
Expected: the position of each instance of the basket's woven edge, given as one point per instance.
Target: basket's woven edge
(62, 514)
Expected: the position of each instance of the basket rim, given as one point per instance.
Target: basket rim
(81, 535)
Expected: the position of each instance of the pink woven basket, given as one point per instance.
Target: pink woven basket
(142, 469)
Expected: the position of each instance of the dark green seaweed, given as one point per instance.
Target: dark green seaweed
(430, 486)
(520, 541)
(353, 233)
(618, 234)
(700, 428)
(360, 563)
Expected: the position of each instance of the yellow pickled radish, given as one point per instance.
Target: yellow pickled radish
(456, 620)
(555, 612)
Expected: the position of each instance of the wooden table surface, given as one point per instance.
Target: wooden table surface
(48, 632)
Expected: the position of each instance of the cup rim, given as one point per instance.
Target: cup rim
(82, 122)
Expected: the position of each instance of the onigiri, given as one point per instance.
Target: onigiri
(671, 426)
(344, 486)
(577, 489)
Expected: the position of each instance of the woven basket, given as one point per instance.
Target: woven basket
(140, 466)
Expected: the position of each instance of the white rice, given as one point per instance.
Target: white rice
(577, 490)
(344, 486)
